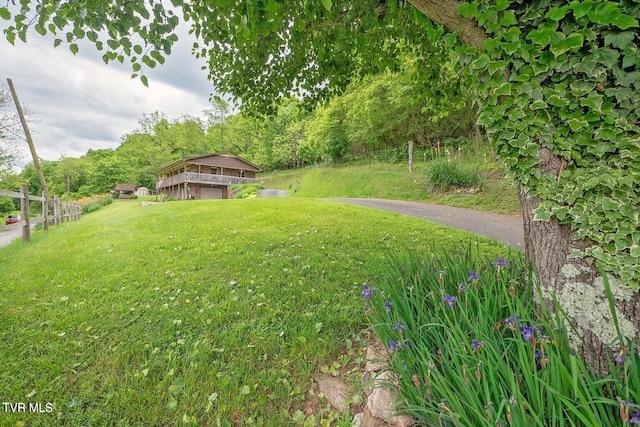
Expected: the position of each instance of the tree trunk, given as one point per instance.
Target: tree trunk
(445, 12)
(577, 284)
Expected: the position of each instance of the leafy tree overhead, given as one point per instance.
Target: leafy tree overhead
(558, 83)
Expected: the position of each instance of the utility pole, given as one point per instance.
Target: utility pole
(36, 161)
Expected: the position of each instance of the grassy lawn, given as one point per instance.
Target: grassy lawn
(198, 312)
(393, 181)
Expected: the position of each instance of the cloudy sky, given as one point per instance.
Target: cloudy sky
(82, 103)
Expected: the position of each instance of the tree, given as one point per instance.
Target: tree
(559, 90)
(10, 132)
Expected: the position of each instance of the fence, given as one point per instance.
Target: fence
(54, 211)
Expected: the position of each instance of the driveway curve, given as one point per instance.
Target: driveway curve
(495, 226)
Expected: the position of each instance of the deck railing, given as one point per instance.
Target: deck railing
(204, 178)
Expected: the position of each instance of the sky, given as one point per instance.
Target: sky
(81, 103)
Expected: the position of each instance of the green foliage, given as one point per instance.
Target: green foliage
(469, 347)
(6, 205)
(243, 191)
(444, 174)
(92, 204)
(197, 310)
(572, 86)
(142, 31)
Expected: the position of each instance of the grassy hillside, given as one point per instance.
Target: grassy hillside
(197, 312)
(393, 181)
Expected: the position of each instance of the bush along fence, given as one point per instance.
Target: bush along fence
(54, 210)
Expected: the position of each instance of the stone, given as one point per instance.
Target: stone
(336, 391)
(357, 420)
(369, 420)
(375, 360)
(380, 402)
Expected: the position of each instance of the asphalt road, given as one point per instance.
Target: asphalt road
(499, 227)
(8, 236)
(272, 193)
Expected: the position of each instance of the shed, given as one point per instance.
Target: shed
(125, 191)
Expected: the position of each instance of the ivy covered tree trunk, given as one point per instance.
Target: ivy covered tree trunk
(559, 85)
(578, 286)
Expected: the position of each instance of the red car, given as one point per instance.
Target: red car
(12, 219)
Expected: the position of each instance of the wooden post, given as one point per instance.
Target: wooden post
(27, 134)
(410, 156)
(57, 210)
(45, 211)
(24, 204)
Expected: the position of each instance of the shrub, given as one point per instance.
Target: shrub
(244, 191)
(93, 203)
(6, 205)
(468, 347)
(444, 174)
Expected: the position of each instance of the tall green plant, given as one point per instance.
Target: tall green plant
(468, 347)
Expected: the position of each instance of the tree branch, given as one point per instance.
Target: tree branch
(445, 12)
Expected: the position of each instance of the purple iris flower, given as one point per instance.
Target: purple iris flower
(367, 291)
(473, 276)
(527, 332)
(449, 299)
(477, 345)
(387, 306)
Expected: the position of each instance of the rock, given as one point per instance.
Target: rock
(357, 420)
(369, 420)
(380, 402)
(375, 360)
(336, 391)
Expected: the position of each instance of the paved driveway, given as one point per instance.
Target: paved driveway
(272, 193)
(8, 236)
(499, 227)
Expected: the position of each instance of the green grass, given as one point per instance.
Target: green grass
(195, 312)
(393, 181)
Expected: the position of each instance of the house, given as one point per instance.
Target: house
(125, 191)
(205, 177)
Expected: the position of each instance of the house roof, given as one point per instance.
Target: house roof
(224, 160)
(125, 187)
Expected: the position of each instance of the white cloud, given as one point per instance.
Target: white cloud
(83, 103)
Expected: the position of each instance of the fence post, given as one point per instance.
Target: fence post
(45, 211)
(57, 213)
(24, 204)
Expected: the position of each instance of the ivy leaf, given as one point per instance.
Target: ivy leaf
(581, 9)
(608, 57)
(327, 4)
(608, 13)
(508, 19)
(557, 13)
(618, 40)
(468, 10)
(541, 214)
(577, 124)
(573, 41)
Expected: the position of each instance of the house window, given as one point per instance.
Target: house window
(214, 171)
(241, 174)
